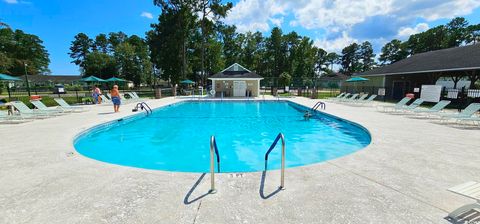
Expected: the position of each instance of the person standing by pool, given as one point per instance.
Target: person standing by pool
(115, 98)
(96, 92)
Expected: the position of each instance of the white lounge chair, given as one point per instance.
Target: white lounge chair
(470, 190)
(5, 118)
(349, 99)
(354, 101)
(467, 113)
(52, 110)
(26, 111)
(400, 105)
(105, 100)
(65, 106)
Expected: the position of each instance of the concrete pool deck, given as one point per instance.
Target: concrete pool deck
(401, 177)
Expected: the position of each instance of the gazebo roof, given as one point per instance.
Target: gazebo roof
(236, 71)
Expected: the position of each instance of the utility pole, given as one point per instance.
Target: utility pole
(26, 79)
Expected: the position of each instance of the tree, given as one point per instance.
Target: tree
(366, 56)
(332, 59)
(393, 51)
(350, 59)
(99, 64)
(18, 49)
(211, 11)
(285, 79)
(275, 52)
(231, 46)
(457, 30)
(101, 43)
(80, 48)
(473, 34)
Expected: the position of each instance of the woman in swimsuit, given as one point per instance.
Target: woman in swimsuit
(115, 98)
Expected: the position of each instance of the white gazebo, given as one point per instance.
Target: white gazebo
(236, 81)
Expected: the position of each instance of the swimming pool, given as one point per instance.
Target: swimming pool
(177, 137)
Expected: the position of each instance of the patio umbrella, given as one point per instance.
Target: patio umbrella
(9, 78)
(4, 77)
(187, 81)
(92, 79)
(355, 80)
(115, 79)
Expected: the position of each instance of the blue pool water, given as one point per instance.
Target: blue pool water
(176, 137)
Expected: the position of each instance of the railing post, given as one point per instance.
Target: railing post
(212, 166)
(282, 178)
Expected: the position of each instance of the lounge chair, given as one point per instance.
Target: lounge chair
(136, 95)
(65, 106)
(400, 105)
(26, 111)
(470, 190)
(435, 109)
(341, 98)
(105, 100)
(12, 119)
(466, 114)
(42, 107)
(367, 101)
(349, 99)
(413, 105)
(337, 97)
(360, 99)
(133, 97)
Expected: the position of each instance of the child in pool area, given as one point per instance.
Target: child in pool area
(115, 98)
(307, 115)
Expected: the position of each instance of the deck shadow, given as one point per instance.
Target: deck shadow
(186, 200)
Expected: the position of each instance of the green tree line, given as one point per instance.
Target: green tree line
(22, 53)
(113, 55)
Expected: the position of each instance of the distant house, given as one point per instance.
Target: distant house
(334, 80)
(236, 81)
(425, 69)
(45, 80)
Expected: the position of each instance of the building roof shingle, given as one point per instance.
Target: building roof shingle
(451, 59)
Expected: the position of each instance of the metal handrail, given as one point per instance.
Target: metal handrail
(320, 104)
(143, 105)
(282, 174)
(213, 150)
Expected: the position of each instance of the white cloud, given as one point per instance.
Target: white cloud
(11, 1)
(335, 45)
(257, 15)
(337, 16)
(147, 15)
(407, 31)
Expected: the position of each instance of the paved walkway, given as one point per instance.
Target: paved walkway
(401, 177)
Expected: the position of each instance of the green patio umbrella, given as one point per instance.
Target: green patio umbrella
(8, 78)
(115, 79)
(187, 81)
(355, 80)
(4, 77)
(92, 79)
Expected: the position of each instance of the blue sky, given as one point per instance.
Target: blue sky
(332, 24)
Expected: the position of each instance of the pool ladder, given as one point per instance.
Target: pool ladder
(142, 106)
(320, 105)
(282, 172)
(213, 150)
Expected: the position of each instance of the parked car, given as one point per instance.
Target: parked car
(59, 89)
